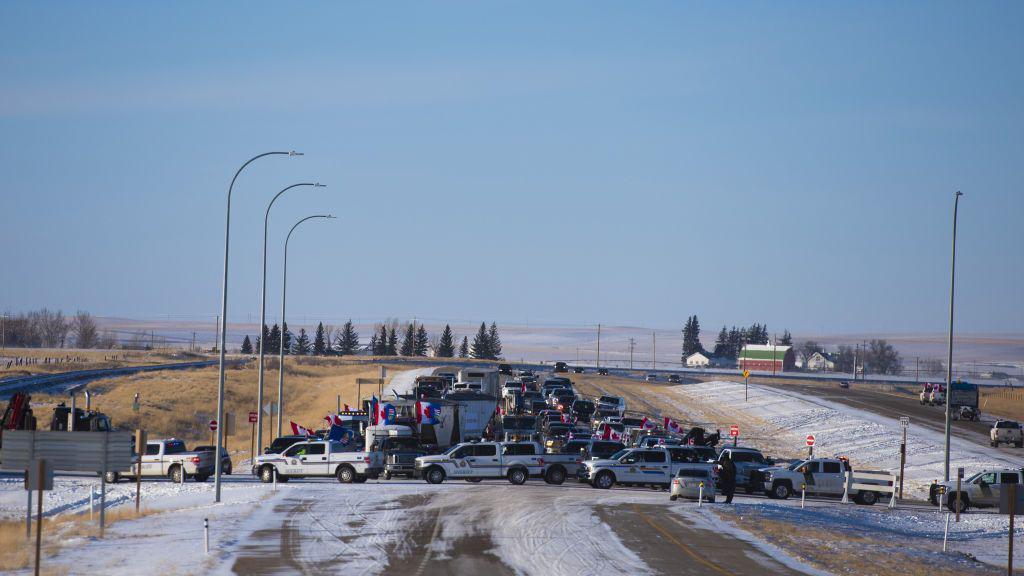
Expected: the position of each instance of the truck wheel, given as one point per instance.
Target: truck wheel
(473, 480)
(346, 474)
(781, 491)
(226, 468)
(555, 476)
(604, 480)
(267, 474)
(435, 475)
(517, 476)
(994, 444)
(866, 498)
(1019, 444)
(176, 474)
(673, 497)
(360, 479)
(387, 475)
(965, 503)
(201, 477)
(112, 477)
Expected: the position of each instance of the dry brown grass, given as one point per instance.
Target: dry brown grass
(180, 403)
(85, 359)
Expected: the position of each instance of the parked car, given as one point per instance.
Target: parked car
(982, 490)
(821, 476)
(965, 413)
(169, 459)
(577, 369)
(225, 459)
(695, 481)
(476, 461)
(282, 443)
(561, 367)
(1006, 432)
(651, 378)
(674, 378)
(400, 454)
(505, 369)
(748, 461)
(611, 405)
(319, 458)
(602, 371)
(844, 384)
(583, 410)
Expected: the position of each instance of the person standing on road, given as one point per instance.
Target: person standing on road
(727, 477)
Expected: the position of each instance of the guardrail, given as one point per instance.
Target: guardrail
(33, 383)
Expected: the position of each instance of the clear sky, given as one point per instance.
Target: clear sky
(632, 163)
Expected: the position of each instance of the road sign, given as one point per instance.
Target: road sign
(270, 408)
(78, 452)
(904, 422)
(734, 430)
(39, 475)
(810, 439)
(746, 373)
(252, 417)
(213, 425)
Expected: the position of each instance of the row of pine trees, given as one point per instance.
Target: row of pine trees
(384, 342)
(730, 341)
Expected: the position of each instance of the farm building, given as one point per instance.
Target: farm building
(766, 357)
(697, 360)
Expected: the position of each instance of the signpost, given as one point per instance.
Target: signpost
(810, 445)
(39, 476)
(1010, 501)
(746, 375)
(213, 433)
(252, 436)
(734, 431)
(904, 424)
(140, 451)
(959, 479)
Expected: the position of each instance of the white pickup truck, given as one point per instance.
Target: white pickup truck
(978, 491)
(475, 461)
(655, 466)
(821, 476)
(169, 459)
(319, 458)
(1006, 432)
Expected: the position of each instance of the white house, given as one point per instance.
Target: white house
(697, 360)
(819, 362)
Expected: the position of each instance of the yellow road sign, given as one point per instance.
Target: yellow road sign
(746, 373)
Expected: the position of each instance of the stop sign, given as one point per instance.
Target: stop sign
(810, 439)
(252, 417)
(734, 430)
(213, 425)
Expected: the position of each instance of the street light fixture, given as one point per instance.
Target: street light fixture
(949, 351)
(224, 317)
(263, 310)
(284, 292)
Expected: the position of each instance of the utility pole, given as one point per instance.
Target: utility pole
(949, 351)
(654, 350)
(632, 343)
(598, 345)
(192, 348)
(856, 349)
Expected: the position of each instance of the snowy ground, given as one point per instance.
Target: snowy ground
(779, 421)
(402, 382)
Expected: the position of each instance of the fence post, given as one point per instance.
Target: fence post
(846, 487)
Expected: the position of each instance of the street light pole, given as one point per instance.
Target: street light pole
(263, 311)
(949, 350)
(224, 316)
(284, 292)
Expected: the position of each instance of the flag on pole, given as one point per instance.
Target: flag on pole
(426, 412)
(672, 426)
(647, 423)
(301, 430)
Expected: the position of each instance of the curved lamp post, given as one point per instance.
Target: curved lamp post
(263, 311)
(949, 351)
(284, 292)
(224, 319)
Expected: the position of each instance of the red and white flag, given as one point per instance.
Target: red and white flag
(610, 434)
(647, 423)
(672, 426)
(301, 430)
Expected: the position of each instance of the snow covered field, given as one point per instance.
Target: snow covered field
(778, 421)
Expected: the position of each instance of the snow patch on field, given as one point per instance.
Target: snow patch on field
(778, 422)
(403, 382)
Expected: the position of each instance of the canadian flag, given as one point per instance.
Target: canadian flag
(647, 423)
(523, 387)
(672, 426)
(301, 430)
(565, 418)
(610, 434)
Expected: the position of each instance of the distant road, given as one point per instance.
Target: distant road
(78, 378)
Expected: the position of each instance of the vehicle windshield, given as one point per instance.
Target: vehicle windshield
(972, 478)
(618, 454)
(401, 443)
(797, 464)
(177, 447)
(452, 449)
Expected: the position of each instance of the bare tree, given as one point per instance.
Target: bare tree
(53, 328)
(84, 328)
(107, 340)
(933, 366)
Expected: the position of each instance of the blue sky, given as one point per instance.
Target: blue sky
(787, 163)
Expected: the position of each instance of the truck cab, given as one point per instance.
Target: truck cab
(653, 466)
(319, 458)
(1006, 432)
(820, 476)
(982, 490)
(475, 461)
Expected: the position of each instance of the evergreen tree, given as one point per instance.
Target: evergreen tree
(246, 345)
(382, 342)
(422, 342)
(481, 343)
(736, 339)
(464, 348)
(374, 345)
(348, 340)
(286, 338)
(319, 343)
(392, 342)
(494, 342)
(273, 341)
(302, 347)
(409, 341)
(263, 338)
(787, 339)
(722, 344)
(446, 347)
(691, 337)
